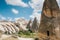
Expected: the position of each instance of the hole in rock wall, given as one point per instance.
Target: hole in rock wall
(48, 33)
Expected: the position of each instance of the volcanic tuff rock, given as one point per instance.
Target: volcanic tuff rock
(33, 25)
(50, 19)
(22, 22)
(10, 27)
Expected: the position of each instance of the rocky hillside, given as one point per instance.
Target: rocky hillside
(10, 27)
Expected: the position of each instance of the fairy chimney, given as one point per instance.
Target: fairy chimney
(50, 18)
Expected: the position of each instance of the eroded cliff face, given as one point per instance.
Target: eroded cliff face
(50, 19)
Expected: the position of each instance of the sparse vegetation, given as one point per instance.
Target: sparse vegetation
(26, 34)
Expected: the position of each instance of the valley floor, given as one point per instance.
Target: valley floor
(10, 37)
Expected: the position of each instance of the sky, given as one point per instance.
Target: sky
(15, 9)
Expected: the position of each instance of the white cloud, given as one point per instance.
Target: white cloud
(37, 15)
(10, 19)
(58, 2)
(2, 17)
(19, 18)
(15, 11)
(16, 18)
(16, 3)
(37, 6)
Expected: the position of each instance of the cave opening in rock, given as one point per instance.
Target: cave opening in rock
(48, 33)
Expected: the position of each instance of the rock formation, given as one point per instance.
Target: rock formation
(11, 27)
(29, 25)
(8, 27)
(50, 19)
(34, 25)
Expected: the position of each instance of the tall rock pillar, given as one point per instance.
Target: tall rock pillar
(49, 18)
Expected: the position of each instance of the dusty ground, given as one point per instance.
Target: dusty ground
(40, 36)
(10, 37)
(44, 37)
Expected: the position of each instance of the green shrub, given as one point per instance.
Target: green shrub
(26, 34)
